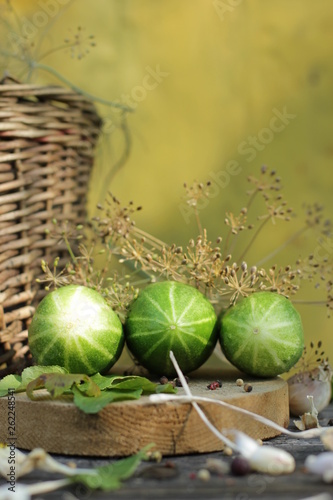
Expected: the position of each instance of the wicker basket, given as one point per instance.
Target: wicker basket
(47, 140)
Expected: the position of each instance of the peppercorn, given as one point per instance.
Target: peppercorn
(248, 388)
(178, 383)
(203, 475)
(214, 385)
(164, 380)
(240, 466)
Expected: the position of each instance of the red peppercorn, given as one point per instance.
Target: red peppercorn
(214, 385)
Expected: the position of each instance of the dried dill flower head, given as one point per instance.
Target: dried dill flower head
(132, 257)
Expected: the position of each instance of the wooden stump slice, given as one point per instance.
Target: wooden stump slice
(123, 428)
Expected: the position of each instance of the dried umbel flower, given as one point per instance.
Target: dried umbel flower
(316, 383)
(216, 267)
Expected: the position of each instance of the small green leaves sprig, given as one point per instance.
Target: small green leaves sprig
(89, 394)
(110, 477)
(105, 478)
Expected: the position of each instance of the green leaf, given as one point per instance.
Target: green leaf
(134, 382)
(33, 372)
(109, 477)
(131, 382)
(103, 381)
(95, 404)
(166, 388)
(91, 394)
(58, 383)
(9, 382)
(19, 383)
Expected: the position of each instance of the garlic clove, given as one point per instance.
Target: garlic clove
(265, 459)
(316, 383)
(36, 459)
(321, 464)
(310, 419)
(245, 444)
(273, 461)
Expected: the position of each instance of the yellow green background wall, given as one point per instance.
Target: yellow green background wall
(226, 68)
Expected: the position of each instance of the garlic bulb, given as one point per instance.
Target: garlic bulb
(316, 383)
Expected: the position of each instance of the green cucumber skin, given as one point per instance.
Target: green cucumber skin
(94, 349)
(171, 316)
(276, 320)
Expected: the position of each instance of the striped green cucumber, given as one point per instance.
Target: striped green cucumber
(262, 335)
(171, 316)
(74, 327)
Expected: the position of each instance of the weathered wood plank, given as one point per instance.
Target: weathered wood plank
(123, 428)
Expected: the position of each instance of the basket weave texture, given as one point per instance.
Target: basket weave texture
(47, 141)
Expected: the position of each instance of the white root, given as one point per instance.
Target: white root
(265, 459)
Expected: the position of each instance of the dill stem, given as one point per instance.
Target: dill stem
(228, 249)
(310, 302)
(49, 26)
(197, 218)
(283, 246)
(251, 199)
(119, 163)
(56, 49)
(254, 237)
(150, 238)
(16, 17)
(226, 245)
(69, 249)
(64, 80)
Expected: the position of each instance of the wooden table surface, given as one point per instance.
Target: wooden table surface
(179, 483)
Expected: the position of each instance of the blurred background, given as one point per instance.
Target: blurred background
(218, 88)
